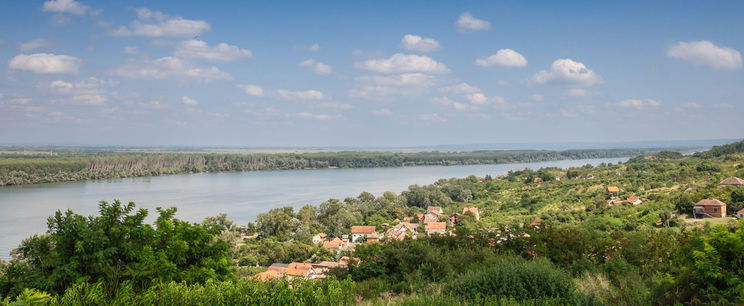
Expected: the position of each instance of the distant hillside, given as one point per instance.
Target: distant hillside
(732, 148)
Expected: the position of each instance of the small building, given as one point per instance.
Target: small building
(536, 223)
(732, 181)
(537, 180)
(454, 218)
(402, 231)
(301, 270)
(613, 189)
(335, 244)
(615, 202)
(740, 213)
(267, 275)
(439, 228)
(359, 231)
(711, 208)
(278, 267)
(431, 217)
(437, 210)
(346, 260)
(319, 238)
(634, 200)
(472, 210)
(374, 237)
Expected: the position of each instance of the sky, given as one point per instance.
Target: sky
(369, 73)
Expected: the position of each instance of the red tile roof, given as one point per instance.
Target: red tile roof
(435, 225)
(710, 202)
(359, 229)
(732, 181)
(299, 269)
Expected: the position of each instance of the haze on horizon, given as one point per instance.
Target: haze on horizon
(376, 74)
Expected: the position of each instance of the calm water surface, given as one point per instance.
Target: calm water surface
(242, 195)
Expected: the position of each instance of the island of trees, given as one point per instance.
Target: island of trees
(37, 165)
(622, 234)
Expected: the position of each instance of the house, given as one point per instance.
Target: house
(319, 238)
(420, 217)
(302, 270)
(614, 202)
(335, 244)
(359, 231)
(345, 260)
(439, 228)
(740, 213)
(472, 210)
(401, 231)
(431, 217)
(613, 189)
(323, 267)
(710, 208)
(537, 180)
(278, 267)
(731, 181)
(437, 210)
(267, 275)
(634, 200)
(535, 223)
(374, 237)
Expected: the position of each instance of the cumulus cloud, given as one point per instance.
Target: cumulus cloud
(503, 58)
(32, 45)
(705, 53)
(46, 63)
(458, 106)
(383, 87)
(418, 43)
(157, 24)
(467, 22)
(640, 104)
(253, 90)
(153, 105)
(401, 80)
(300, 95)
(317, 67)
(460, 88)
(402, 63)
(383, 112)
(65, 6)
(481, 98)
(86, 92)
(201, 50)
(567, 71)
(189, 101)
(169, 68)
(335, 105)
(322, 117)
(131, 50)
(432, 117)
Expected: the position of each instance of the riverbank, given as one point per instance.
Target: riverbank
(45, 167)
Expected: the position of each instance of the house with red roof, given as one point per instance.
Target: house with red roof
(710, 208)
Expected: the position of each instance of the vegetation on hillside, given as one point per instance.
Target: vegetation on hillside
(550, 241)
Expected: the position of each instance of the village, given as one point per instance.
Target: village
(435, 222)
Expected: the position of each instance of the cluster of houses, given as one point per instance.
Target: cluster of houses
(714, 208)
(302, 270)
(615, 199)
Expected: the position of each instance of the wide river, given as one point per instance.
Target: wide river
(241, 195)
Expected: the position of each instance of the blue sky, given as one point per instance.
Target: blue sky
(369, 73)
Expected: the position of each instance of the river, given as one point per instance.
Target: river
(241, 195)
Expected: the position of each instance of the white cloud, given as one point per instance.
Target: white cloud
(189, 101)
(432, 117)
(692, 105)
(567, 71)
(383, 112)
(335, 105)
(315, 47)
(705, 53)
(317, 67)
(253, 90)
(131, 50)
(503, 58)
(322, 117)
(480, 98)
(578, 92)
(199, 49)
(32, 45)
(458, 106)
(153, 105)
(467, 22)
(401, 63)
(537, 97)
(400, 80)
(85, 92)
(418, 43)
(65, 6)
(169, 68)
(460, 88)
(88, 100)
(46, 63)
(300, 95)
(156, 24)
(640, 104)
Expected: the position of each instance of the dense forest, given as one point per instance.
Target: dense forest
(547, 236)
(33, 167)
